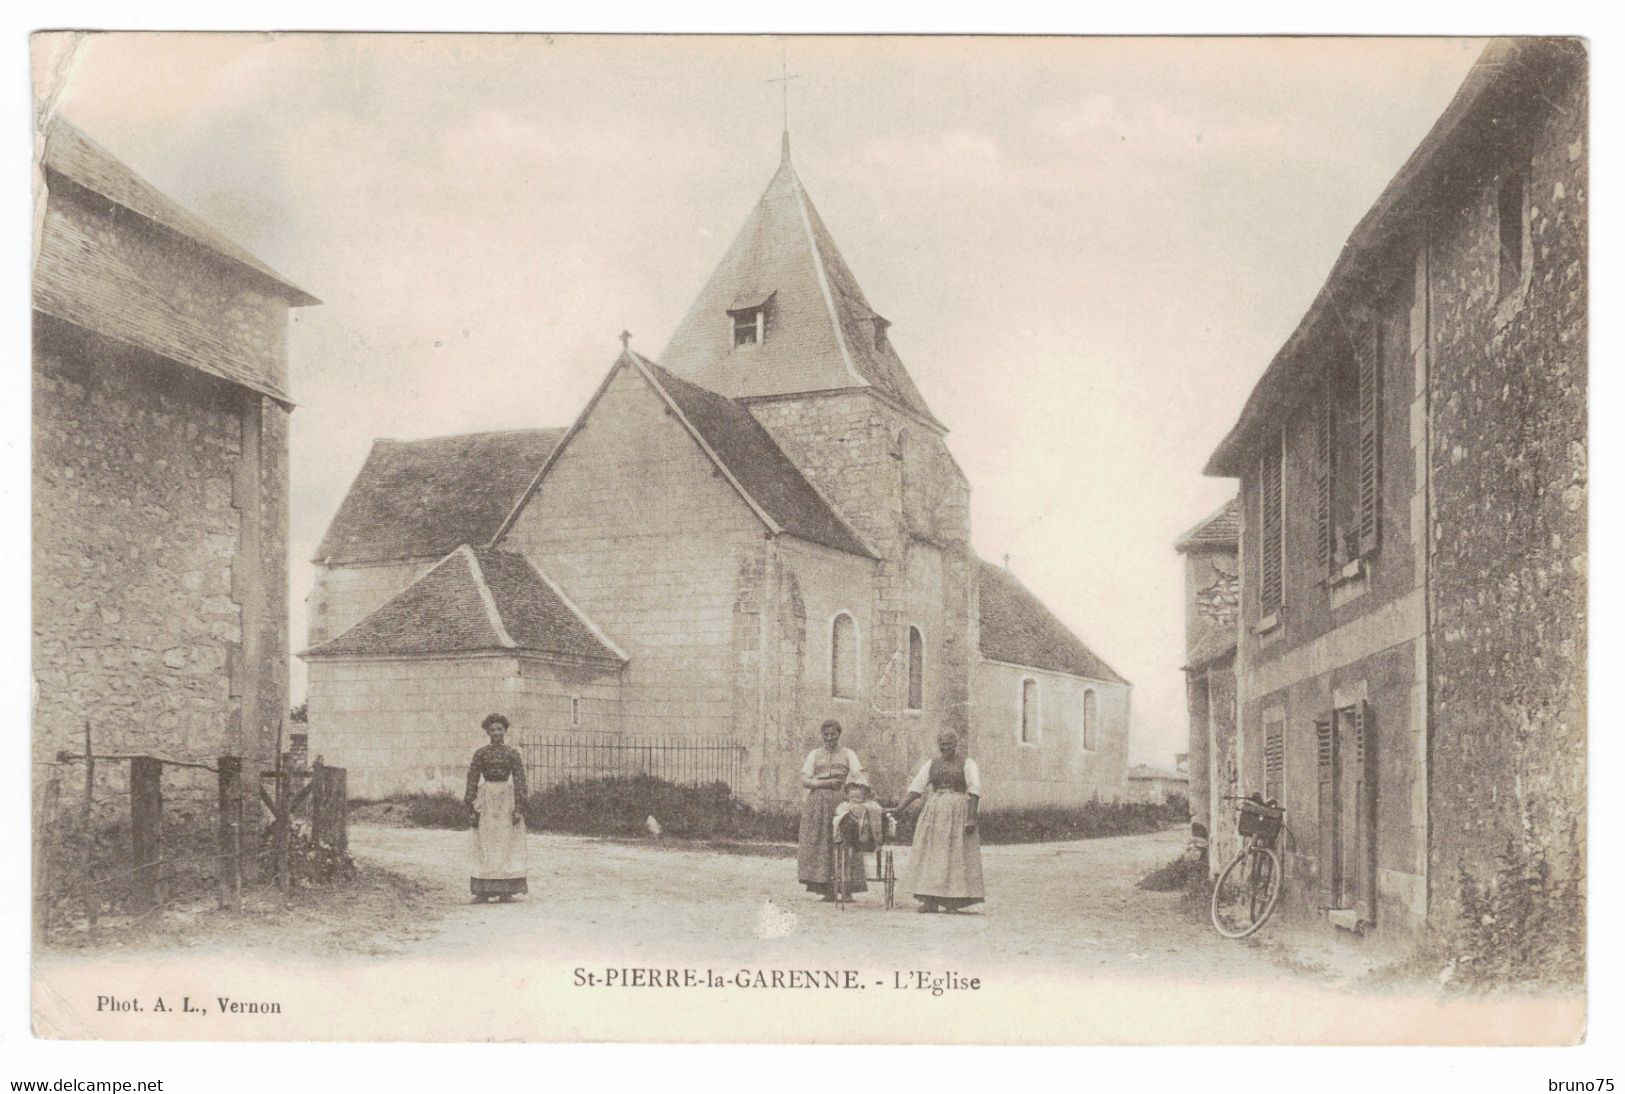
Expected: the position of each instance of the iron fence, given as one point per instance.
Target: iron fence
(685, 761)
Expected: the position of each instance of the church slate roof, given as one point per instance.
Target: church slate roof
(1017, 628)
(821, 332)
(749, 453)
(475, 600)
(420, 499)
(1221, 528)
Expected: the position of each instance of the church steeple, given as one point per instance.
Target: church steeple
(782, 313)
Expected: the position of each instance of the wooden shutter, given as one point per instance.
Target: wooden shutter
(1370, 361)
(1364, 868)
(1324, 427)
(1272, 545)
(1274, 760)
(1326, 834)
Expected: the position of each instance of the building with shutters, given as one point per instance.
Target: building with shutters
(1212, 614)
(762, 529)
(1410, 669)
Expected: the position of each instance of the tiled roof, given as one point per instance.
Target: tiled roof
(821, 331)
(1017, 628)
(1221, 528)
(476, 599)
(75, 157)
(419, 499)
(749, 453)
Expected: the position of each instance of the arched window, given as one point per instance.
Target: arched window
(843, 657)
(916, 669)
(1029, 712)
(1091, 721)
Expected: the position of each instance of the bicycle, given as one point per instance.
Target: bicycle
(1248, 889)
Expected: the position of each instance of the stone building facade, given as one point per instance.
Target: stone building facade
(1411, 668)
(1212, 615)
(769, 525)
(160, 476)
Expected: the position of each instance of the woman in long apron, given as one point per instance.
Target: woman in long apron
(945, 866)
(824, 776)
(496, 794)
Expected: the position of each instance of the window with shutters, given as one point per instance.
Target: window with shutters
(916, 669)
(1347, 459)
(1272, 548)
(1274, 759)
(843, 657)
(1029, 712)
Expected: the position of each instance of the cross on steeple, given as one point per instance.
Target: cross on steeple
(626, 340)
(783, 80)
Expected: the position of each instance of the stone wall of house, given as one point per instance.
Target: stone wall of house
(410, 726)
(342, 596)
(1509, 492)
(655, 547)
(159, 582)
(1056, 769)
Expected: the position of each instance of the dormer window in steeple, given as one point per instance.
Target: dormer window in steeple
(881, 325)
(748, 319)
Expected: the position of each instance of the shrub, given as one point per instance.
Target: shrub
(1520, 926)
(439, 810)
(1092, 820)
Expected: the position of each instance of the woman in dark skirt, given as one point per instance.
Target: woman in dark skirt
(496, 794)
(945, 866)
(824, 775)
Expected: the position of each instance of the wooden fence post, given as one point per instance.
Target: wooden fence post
(284, 821)
(231, 832)
(146, 828)
(329, 807)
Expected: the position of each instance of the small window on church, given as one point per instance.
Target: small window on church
(916, 669)
(1029, 712)
(1091, 721)
(575, 711)
(843, 658)
(881, 338)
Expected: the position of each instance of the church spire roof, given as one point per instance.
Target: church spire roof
(782, 313)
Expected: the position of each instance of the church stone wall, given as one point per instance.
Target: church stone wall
(343, 596)
(1055, 770)
(643, 534)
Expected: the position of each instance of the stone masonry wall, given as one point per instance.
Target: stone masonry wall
(1509, 492)
(643, 534)
(140, 584)
(1055, 770)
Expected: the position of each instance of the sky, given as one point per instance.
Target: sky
(1089, 248)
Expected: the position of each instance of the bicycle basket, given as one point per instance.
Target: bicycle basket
(1258, 819)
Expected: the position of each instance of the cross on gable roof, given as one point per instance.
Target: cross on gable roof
(740, 447)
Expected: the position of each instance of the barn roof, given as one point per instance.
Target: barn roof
(1220, 528)
(71, 155)
(1016, 627)
(421, 498)
(475, 600)
(822, 333)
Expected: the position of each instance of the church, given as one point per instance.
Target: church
(761, 529)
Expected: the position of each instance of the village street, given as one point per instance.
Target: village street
(1056, 906)
(621, 940)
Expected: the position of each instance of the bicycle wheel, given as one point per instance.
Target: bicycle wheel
(1246, 892)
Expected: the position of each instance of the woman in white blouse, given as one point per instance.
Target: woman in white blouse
(824, 775)
(946, 863)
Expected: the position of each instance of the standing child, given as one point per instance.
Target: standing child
(860, 825)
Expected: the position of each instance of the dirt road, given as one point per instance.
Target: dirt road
(1070, 905)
